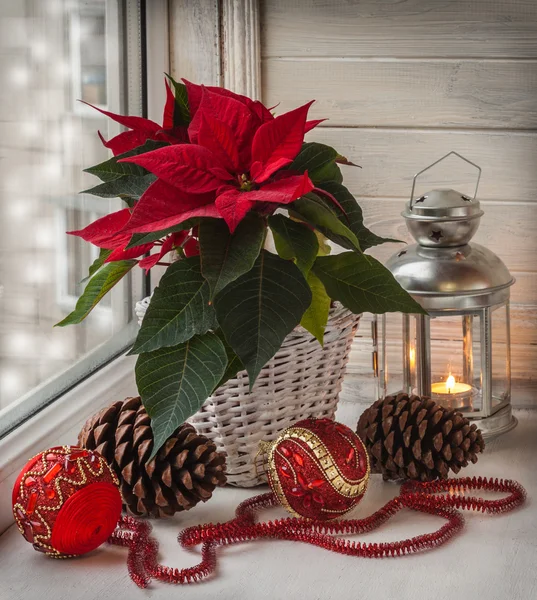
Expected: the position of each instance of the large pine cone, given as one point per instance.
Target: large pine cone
(185, 470)
(416, 438)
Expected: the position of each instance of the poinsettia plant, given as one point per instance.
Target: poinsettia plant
(209, 184)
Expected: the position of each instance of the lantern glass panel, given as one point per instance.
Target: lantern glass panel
(501, 359)
(409, 355)
(456, 360)
(389, 353)
(395, 359)
(444, 361)
(447, 357)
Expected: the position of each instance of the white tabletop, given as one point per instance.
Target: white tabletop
(494, 558)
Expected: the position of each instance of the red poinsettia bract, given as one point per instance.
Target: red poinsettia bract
(231, 165)
(227, 162)
(141, 129)
(107, 233)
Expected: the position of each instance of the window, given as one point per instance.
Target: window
(52, 54)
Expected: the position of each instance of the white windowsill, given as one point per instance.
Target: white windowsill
(59, 423)
(494, 556)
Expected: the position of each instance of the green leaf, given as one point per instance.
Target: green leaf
(316, 212)
(257, 310)
(112, 169)
(324, 246)
(226, 256)
(181, 115)
(330, 172)
(320, 162)
(363, 284)
(174, 382)
(294, 241)
(126, 187)
(343, 160)
(98, 286)
(97, 263)
(234, 364)
(179, 308)
(353, 217)
(138, 239)
(316, 317)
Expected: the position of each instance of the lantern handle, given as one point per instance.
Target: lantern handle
(440, 160)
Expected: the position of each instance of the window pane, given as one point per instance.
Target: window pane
(53, 53)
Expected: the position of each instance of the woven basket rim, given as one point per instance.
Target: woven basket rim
(338, 315)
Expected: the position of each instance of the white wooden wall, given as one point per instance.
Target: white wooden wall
(402, 82)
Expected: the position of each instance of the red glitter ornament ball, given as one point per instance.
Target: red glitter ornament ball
(318, 469)
(66, 501)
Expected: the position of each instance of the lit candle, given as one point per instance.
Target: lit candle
(450, 387)
(451, 393)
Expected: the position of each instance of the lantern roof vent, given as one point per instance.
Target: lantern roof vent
(443, 218)
(443, 204)
(443, 271)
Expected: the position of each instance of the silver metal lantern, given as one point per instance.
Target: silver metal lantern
(460, 353)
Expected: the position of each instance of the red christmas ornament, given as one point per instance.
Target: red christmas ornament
(318, 469)
(66, 501)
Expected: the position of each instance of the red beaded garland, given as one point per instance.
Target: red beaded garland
(318, 469)
(66, 501)
(423, 497)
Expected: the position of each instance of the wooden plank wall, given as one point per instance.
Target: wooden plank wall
(404, 82)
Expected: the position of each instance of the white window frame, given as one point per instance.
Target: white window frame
(53, 413)
(184, 37)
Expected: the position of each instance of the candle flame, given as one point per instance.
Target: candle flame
(450, 384)
(412, 357)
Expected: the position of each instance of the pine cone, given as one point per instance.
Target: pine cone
(416, 438)
(186, 469)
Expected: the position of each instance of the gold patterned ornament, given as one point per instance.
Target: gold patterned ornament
(318, 468)
(66, 501)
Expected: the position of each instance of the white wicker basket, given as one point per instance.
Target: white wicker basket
(302, 380)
